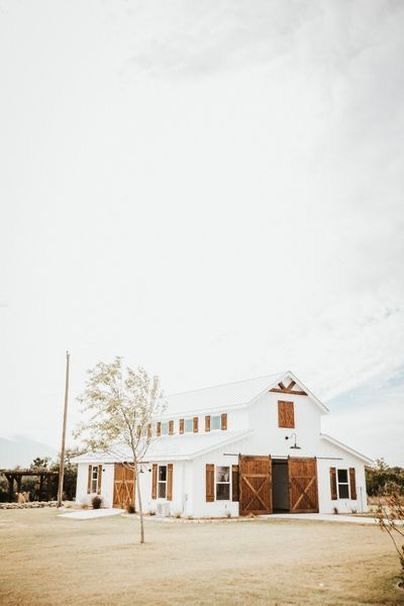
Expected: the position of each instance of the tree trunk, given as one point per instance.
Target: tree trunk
(139, 498)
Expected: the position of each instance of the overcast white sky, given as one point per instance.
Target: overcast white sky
(213, 189)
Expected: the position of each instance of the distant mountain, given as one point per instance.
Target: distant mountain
(21, 450)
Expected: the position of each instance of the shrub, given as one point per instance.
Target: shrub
(96, 502)
(130, 508)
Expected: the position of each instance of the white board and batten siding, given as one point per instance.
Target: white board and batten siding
(253, 425)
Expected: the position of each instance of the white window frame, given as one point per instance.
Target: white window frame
(228, 483)
(219, 428)
(94, 478)
(164, 428)
(343, 483)
(189, 420)
(161, 482)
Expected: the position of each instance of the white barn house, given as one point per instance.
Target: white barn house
(252, 446)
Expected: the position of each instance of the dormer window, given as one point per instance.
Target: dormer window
(215, 422)
(189, 425)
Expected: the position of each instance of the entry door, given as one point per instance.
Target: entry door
(255, 485)
(303, 491)
(124, 486)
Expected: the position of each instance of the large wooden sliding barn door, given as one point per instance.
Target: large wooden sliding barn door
(255, 485)
(124, 486)
(303, 492)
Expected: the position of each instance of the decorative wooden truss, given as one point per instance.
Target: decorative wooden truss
(281, 388)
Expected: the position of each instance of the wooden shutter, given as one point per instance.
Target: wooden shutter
(154, 482)
(149, 431)
(170, 482)
(286, 414)
(170, 428)
(195, 424)
(333, 483)
(210, 483)
(234, 483)
(352, 482)
(158, 428)
(224, 421)
(181, 425)
(207, 423)
(90, 470)
(99, 479)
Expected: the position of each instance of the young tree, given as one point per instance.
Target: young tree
(390, 517)
(121, 403)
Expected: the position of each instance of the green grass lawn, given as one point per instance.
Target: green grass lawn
(50, 560)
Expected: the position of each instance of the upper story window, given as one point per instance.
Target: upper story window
(189, 425)
(164, 428)
(216, 422)
(286, 414)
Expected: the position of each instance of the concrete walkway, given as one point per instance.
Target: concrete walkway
(321, 517)
(91, 514)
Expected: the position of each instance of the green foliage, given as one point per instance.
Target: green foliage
(380, 475)
(30, 484)
(39, 463)
(121, 403)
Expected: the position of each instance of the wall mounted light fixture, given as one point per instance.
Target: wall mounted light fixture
(294, 445)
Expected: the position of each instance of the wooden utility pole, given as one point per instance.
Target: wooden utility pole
(62, 449)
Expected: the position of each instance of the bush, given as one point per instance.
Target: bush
(130, 508)
(96, 502)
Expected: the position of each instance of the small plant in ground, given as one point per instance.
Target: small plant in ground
(130, 508)
(390, 517)
(177, 515)
(354, 510)
(96, 502)
(152, 513)
(336, 510)
(83, 505)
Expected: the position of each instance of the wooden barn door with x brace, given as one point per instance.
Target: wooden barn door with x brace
(255, 484)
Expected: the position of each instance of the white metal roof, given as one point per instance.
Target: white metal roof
(342, 446)
(227, 395)
(170, 448)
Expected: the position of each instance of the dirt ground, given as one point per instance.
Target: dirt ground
(49, 560)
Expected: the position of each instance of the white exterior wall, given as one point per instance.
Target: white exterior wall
(198, 507)
(178, 504)
(107, 484)
(266, 438)
(343, 460)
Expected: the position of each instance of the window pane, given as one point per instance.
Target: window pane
(164, 429)
(222, 492)
(343, 491)
(162, 490)
(343, 475)
(216, 422)
(95, 472)
(222, 474)
(162, 473)
(189, 425)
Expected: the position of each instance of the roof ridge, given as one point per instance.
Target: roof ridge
(179, 393)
